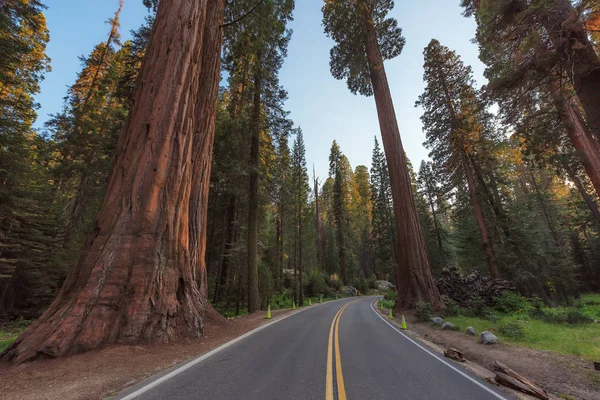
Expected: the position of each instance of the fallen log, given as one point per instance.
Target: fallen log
(455, 355)
(507, 377)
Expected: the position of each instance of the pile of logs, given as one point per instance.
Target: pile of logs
(463, 290)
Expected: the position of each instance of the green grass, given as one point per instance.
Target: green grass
(577, 340)
(10, 330)
(590, 305)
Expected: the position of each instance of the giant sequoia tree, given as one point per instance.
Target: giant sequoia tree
(365, 36)
(141, 274)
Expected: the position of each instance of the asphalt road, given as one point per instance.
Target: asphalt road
(336, 350)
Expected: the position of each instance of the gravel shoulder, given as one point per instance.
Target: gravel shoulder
(102, 373)
(560, 375)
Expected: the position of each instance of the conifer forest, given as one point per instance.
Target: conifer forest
(173, 189)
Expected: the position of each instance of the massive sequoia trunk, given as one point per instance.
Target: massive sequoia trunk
(253, 300)
(414, 279)
(141, 274)
(483, 231)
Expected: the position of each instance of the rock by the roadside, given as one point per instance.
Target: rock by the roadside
(437, 321)
(488, 337)
(349, 291)
(385, 286)
(471, 331)
(448, 326)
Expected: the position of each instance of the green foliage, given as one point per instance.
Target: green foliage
(578, 340)
(452, 307)
(510, 302)
(315, 283)
(512, 330)
(334, 283)
(390, 295)
(562, 315)
(9, 330)
(362, 285)
(423, 311)
(347, 23)
(387, 304)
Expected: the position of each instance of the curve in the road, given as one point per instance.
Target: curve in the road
(300, 357)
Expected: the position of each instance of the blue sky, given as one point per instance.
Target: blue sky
(321, 105)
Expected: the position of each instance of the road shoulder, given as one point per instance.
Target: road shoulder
(106, 372)
(556, 373)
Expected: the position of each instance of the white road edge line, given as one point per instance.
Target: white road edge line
(203, 357)
(438, 358)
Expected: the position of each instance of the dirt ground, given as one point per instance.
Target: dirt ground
(558, 374)
(105, 372)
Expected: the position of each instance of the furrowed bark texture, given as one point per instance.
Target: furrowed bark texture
(253, 206)
(141, 275)
(414, 279)
(586, 146)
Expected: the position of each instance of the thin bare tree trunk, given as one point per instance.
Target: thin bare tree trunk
(415, 281)
(141, 274)
(483, 231)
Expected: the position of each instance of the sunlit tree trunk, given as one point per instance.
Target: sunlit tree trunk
(141, 275)
(414, 279)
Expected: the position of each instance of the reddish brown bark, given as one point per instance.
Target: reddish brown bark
(414, 279)
(483, 231)
(253, 298)
(141, 274)
(584, 194)
(585, 145)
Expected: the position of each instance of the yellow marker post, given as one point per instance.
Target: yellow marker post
(268, 313)
(293, 305)
(390, 316)
(403, 325)
(309, 302)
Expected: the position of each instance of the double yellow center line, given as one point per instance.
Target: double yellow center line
(341, 389)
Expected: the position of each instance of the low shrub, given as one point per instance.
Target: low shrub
(315, 284)
(390, 295)
(510, 303)
(561, 315)
(479, 308)
(512, 330)
(334, 282)
(452, 308)
(387, 304)
(423, 311)
(372, 282)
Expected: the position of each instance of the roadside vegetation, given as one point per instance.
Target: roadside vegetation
(10, 330)
(572, 330)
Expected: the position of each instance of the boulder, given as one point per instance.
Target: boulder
(349, 291)
(471, 331)
(448, 326)
(488, 337)
(437, 321)
(384, 286)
